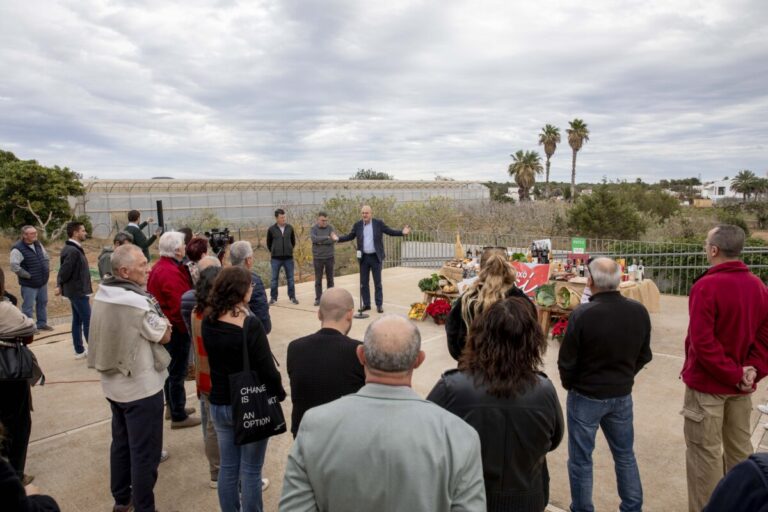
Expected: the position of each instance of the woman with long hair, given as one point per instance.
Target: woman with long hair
(226, 317)
(495, 282)
(499, 390)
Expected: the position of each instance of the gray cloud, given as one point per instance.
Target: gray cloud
(298, 89)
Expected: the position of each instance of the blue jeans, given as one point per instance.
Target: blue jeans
(81, 321)
(276, 266)
(37, 297)
(239, 464)
(370, 264)
(175, 394)
(614, 416)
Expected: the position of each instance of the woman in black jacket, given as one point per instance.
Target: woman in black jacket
(239, 483)
(499, 390)
(495, 282)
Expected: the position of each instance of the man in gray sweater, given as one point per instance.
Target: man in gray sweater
(323, 239)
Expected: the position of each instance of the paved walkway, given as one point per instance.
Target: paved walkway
(69, 451)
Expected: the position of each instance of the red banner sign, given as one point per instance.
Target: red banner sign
(530, 276)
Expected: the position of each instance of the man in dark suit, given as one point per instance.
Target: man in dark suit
(370, 253)
(324, 366)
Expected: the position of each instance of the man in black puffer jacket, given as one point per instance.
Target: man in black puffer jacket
(280, 241)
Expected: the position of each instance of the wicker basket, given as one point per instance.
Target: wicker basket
(452, 273)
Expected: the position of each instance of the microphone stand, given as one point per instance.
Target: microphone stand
(360, 313)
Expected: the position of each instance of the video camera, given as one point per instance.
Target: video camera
(219, 239)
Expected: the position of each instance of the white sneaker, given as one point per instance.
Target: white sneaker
(164, 456)
(264, 484)
(82, 355)
(763, 408)
(214, 484)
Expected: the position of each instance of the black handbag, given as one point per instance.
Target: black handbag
(16, 361)
(256, 412)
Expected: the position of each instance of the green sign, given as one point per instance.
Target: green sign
(578, 245)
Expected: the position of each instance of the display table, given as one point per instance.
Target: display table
(545, 316)
(430, 297)
(645, 292)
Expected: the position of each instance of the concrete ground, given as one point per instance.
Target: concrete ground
(69, 448)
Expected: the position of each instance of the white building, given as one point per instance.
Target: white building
(719, 190)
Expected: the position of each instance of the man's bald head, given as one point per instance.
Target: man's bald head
(207, 262)
(605, 274)
(391, 344)
(335, 304)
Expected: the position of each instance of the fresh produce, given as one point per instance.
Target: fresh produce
(545, 295)
(567, 298)
(430, 284)
(519, 256)
(418, 310)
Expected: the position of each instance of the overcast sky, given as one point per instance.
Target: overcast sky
(318, 89)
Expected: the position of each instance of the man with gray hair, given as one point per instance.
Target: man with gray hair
(726, 354)
(168, 281)
(607, 342)
(31, 263)
(127, 332)
(241, 253)
(384, 447)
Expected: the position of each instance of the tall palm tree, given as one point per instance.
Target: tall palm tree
(578, 134)
(745, 183)
(524, 168)
(550, 138)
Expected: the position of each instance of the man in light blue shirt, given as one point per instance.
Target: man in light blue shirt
(370, 253)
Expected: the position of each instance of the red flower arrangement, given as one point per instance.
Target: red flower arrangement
(439, 310)
(558, 330)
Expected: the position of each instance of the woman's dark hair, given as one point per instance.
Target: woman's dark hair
(505, 347)
(197, 248)
(204, 286)
(229, 290)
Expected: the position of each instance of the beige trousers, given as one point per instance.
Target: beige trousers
(717, 437)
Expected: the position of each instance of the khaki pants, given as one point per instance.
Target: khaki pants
(717, 437)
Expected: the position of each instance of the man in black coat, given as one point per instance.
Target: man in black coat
(607, 342)
(74, 282)
(135, 228)
(324, 366)
(370, 253)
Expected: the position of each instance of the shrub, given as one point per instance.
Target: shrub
(603, 215)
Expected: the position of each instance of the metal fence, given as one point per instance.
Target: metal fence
(672, 266)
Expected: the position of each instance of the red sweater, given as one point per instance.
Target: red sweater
(167, 282)
(728, 329)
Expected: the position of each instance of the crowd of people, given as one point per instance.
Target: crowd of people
(364, 439)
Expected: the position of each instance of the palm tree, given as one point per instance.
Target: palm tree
(524, 168)
(550, 138)
(578, 134)
(745, 183)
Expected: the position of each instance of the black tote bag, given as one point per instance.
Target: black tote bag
(16, 361)
(256, 412)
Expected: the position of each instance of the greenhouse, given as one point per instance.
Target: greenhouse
(247, 202)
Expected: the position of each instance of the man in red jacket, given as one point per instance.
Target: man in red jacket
(726, 353)
(168, 281)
